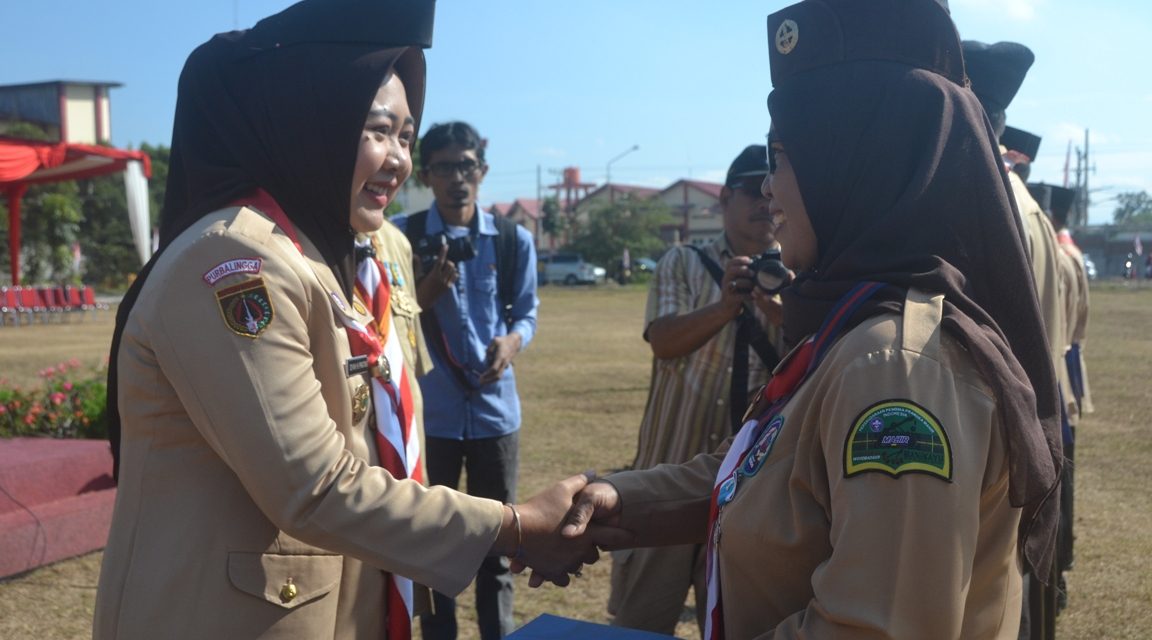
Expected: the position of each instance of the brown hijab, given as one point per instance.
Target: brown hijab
(901, 177)
(280, 107)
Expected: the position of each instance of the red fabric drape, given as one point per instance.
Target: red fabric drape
(21, 159)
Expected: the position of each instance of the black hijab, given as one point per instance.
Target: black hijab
(901, 177)
(280, 107)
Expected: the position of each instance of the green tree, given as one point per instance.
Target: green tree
(160, 156)
(553, 221)
(1134, 207)
(631, 224)
(50, 226)
(109, 253)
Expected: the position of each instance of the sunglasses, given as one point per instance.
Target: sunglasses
(466, 169)
(750, 186)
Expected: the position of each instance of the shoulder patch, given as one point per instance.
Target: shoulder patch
(897, 437)
(246, 308)
(249, 266)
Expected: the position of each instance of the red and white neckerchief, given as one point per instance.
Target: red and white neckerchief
(396, 438)
(758, 434)
(398, 446)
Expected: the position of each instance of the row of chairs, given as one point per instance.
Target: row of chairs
(46, 303)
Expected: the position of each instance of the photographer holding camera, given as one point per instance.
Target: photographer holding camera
(715, 339)
(476, 284)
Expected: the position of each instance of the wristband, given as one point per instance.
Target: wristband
(519, 533)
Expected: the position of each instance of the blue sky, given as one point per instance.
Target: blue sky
(556, 84)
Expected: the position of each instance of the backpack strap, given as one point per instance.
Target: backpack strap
(415, 226)
(507, 258)
(709, 263)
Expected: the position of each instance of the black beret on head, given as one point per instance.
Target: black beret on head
(1020, 140)
(406, 23)
(1062, 200)
(996, 71)
(1042, 194)
(819, 33)
(1055, 201)
(752, 161)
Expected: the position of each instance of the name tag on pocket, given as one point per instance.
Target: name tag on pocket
(356, 365)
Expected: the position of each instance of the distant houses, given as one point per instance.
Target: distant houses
(695, 203)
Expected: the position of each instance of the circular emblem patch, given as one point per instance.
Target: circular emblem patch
(787, 36)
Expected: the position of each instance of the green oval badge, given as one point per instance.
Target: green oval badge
(897, 437)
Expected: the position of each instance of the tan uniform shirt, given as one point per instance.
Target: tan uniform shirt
(247, 462)
(807, 550)
(1041, 239)
(1077, 312)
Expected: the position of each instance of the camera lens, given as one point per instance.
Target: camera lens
(771, 274)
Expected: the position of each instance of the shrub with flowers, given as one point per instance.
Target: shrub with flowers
(69, 403)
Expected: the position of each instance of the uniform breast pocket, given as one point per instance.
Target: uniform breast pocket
(286, 581)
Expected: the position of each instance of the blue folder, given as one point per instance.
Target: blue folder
(549, 627)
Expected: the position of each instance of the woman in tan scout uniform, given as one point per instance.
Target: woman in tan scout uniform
(893, 476)
(250, 502)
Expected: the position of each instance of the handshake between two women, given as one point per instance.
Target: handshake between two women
(561, 529)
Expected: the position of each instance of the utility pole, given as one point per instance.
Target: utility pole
(608, 170)
(1082, 218)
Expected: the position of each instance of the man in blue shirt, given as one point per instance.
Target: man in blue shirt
(476, 319)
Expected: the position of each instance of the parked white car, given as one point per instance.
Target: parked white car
(570, 269)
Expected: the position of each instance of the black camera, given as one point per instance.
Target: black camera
(459, 249)
(769, 272)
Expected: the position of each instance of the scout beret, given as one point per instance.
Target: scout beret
(996, 71)
(387, 23)
(1042, 194)
(1019, 140)
(818, 33)
(1062, 200)
(752, 161)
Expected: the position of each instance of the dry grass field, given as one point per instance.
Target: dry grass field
(584, 382)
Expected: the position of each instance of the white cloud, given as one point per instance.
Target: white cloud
(1021, 10)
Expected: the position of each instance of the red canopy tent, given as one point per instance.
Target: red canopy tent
(26, 162)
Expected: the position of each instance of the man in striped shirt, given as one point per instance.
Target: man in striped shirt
(692, 319)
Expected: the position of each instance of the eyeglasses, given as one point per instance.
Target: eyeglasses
(466, 169)
(770, 151)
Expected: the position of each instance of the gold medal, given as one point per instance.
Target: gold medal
(360, 400)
